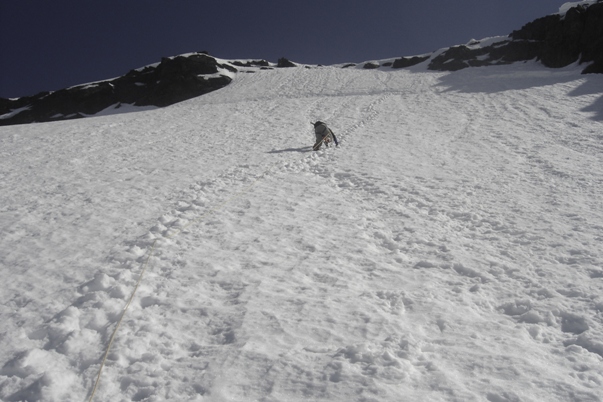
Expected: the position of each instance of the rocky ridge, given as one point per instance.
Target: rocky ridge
(574, 35)
(172, 80)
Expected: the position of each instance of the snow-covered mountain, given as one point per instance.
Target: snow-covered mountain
(558, 40)
(449, 250)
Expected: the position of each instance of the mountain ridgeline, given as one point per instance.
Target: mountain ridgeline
(555, 40)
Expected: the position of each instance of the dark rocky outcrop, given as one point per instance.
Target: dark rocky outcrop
(172, 80)
(283, 62)
(251, 63)
(554, 40)
(576, 37)
(370, 66)
(405, 62)
(504, 52)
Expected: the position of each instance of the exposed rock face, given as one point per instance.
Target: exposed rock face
(251, 63)
(370, 66)
(283, 62)
(404, 62)
(172, 80)
(578, 36)
(555, 41)
(560, 39)
(503, 52)
(592, 39)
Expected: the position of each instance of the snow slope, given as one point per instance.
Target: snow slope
(449, 250)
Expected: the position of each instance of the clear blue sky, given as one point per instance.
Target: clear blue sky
(48, 45)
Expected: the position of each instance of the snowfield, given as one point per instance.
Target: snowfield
(451, 249)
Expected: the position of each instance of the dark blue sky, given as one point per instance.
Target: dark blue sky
(48, 45)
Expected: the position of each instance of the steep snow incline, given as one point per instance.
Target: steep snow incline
(449, 250)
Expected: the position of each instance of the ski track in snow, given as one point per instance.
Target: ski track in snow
(449, 250)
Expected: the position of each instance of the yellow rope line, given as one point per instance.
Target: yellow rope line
(100, 370)
(146, 263)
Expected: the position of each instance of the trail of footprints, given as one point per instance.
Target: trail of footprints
(536, 305)
(77, 336)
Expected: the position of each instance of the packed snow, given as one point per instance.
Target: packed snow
(450, 249)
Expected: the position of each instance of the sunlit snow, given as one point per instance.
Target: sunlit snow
(451, 249)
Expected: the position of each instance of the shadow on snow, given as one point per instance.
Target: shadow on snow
(300, 150)
(493, 79)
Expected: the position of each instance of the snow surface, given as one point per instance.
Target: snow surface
(449, 250)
